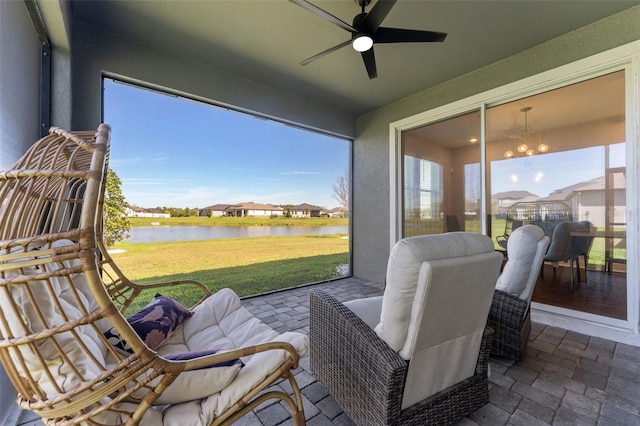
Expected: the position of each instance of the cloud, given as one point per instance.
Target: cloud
(299, 172)
(162, 195)
(168, 182)
(117, 163)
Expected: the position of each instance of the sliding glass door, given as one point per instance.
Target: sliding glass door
(557, 156)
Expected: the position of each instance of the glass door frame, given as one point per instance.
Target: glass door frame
(625, 58)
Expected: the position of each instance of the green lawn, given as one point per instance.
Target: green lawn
(247, 265)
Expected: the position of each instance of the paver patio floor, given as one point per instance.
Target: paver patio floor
(566, 378)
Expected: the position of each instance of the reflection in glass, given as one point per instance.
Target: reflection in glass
(565, 147)
(441, 177)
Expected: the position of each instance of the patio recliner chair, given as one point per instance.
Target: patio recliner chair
(418, 354)
(510, 314)
(65, 344)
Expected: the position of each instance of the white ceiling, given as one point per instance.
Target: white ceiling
(264, 40)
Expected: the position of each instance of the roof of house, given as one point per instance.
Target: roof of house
(337, 209)
(254, 206)
(218, 207)
(512, 195)
(596, 184)
(306, 206)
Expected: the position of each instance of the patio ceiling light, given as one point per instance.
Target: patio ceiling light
(362, 42)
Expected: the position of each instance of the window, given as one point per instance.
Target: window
(441, 176)
(233, 184)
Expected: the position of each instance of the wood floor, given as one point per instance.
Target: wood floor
(601, 293)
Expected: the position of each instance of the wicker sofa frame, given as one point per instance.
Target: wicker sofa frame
(55, 192)
(366, 376)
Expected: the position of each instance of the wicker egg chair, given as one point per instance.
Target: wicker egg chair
(62, 300)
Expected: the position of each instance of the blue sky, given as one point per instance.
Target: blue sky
(545, 173)
(178, 153)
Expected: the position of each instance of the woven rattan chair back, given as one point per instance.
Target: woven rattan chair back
(53, 305)
(51, 296)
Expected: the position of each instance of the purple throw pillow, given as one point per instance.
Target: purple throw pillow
(153, 323)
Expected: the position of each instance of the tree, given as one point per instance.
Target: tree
(115, 221)
(341, 190)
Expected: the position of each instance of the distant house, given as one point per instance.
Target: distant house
(135, 211)
(216, 210)
(338, 212)
(305, 210)
(254, 210)
(587, 200)
(503, 200)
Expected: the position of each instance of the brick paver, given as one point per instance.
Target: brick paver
(566, 378)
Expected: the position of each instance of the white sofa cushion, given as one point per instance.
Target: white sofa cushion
(522, 248)
(222, 323)
(403, 270)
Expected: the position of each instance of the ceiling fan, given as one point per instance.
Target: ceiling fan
(366, 31)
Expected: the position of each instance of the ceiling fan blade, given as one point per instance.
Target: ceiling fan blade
(376, 15)
(323, 14)
(399, 35)
(325, 52)
(370, 63)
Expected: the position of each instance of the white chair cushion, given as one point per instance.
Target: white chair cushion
(368, 309)
(25, 318)
(221, 323)
(522, 247)
(403, 269)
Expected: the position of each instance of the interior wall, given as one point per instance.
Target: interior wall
(371, 212)
(96, 52)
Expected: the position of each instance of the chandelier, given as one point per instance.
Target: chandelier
(525, 148)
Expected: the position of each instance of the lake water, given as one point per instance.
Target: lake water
(155, 234)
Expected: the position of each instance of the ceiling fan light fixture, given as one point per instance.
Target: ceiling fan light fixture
(362, 42)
